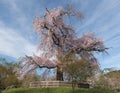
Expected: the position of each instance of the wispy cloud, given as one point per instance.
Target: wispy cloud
(105, 7)
(13, 44)
(18, 17)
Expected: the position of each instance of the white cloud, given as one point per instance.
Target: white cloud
(13, 44)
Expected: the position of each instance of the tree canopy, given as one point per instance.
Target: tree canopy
(59, 38)
(8, 74)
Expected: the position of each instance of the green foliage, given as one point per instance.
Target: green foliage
(102, 82)
(77, 69)
(29, 78)
(109, 80)
(101, 85)
(113, 78)
(8, 76)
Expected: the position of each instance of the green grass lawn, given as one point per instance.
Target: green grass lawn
(46, 90)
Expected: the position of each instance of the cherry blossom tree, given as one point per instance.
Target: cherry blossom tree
(57, 38)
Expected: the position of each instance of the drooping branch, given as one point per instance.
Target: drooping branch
(32, 63)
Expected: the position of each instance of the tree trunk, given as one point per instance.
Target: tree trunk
(73, 87)
(59, 74)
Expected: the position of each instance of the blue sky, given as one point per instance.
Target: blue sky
(18, 38)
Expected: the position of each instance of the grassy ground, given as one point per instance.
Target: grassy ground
(46, 90)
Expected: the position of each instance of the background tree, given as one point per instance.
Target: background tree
(77, 69)
(108, 79)
(113, 78)
(59, 38)
(8, 77)
(2, 72)
(31, 77)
